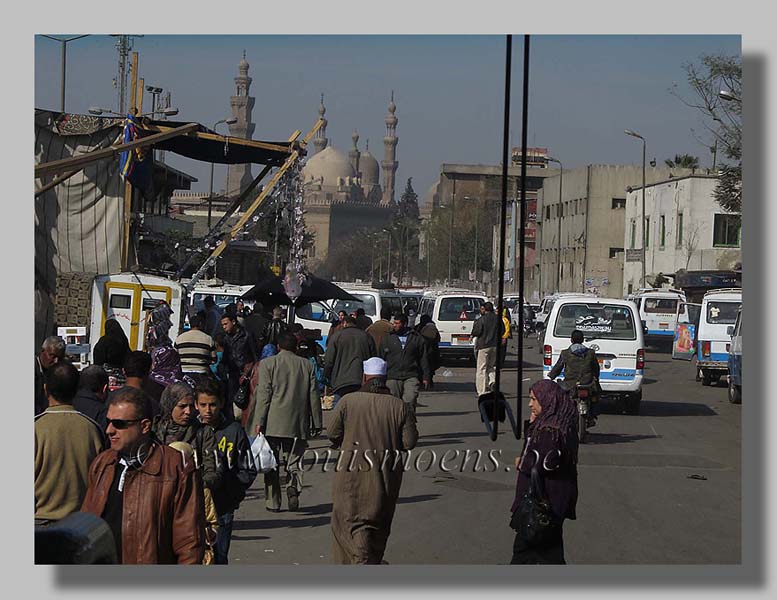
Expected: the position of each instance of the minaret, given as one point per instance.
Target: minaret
(353, 155)
(389, 164)
(239, 176)
(320, 140)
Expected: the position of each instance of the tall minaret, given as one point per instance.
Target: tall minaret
(353, 155)
(320, 141)
(389, 164)
(239, 177)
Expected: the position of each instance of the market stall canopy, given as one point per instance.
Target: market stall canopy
(269, 291)
(208, 146)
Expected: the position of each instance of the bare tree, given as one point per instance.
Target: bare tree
(691, 243)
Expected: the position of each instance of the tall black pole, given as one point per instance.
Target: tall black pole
(502, 226)
(519, 399)
(64, 63)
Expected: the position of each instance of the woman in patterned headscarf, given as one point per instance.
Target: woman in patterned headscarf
(553, 435)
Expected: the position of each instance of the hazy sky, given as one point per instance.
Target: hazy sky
(449, 91)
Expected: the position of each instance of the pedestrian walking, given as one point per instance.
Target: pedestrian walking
(233, 452)
(255, 325)
(507, 333)
(196, 349)
(287, 410)
(92, 394)
(137, 368)
(113, 347)
(151, 499)
(66, 442)
(212, 317)
(51, 352)
(428, 329)
(178, 423)
(275, 327)
(362, 320)
(406, 353)
(488, 329)
(345, 354)
(552, 436)
(238, 359)
(373, 428)
(381, 328)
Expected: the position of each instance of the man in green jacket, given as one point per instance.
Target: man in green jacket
(287, 409)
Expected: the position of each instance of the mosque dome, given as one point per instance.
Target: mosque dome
(369, 168)
(328, 164)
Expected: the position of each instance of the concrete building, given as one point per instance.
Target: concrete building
(585, 228)
(474, 193)
(686, 229)
(343, 193)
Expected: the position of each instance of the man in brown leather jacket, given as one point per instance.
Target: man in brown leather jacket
(151, 499)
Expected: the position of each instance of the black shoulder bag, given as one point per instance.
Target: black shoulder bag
(534, 519)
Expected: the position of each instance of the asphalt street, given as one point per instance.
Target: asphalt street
(663, 487)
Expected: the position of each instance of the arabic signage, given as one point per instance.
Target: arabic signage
(634, 255)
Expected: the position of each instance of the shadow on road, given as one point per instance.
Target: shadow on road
(653, 408)
(419, 498)
(600, 439)
(292, 521)
(250, 538)
(452, 413)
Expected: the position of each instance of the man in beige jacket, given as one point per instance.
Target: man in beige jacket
(287, 410)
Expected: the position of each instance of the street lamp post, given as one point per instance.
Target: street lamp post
(388, 258)
(477, 218)
(729, 95)
(558, 241)
(450, 238)
(64, 42)
(636, 135)
(229, 121)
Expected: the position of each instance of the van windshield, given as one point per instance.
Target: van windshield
(366, 301)
(459, 308)
(660, 305)
(601, 321)
(722, 313)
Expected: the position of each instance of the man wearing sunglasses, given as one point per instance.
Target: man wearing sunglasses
(149, 496)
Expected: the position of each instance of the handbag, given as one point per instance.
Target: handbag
(243, 394)
(534, 520)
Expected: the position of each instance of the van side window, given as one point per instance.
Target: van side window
(120, 301)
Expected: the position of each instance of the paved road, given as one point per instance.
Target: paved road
(637, 505)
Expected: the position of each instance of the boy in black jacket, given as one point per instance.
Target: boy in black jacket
(233, 455)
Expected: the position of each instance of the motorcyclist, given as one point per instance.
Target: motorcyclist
(579, 365)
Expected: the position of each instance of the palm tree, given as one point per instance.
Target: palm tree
(683, 161)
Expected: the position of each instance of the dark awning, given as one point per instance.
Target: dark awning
(208, 146)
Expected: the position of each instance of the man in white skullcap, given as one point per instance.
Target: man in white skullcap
(372, 428)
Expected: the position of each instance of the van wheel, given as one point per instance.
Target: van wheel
(734, 393)
(633, 402)
(706, 378)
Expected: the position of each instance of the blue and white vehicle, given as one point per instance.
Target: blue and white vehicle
(719, 310)
(611, 326)
(735, 362)
(658, 311)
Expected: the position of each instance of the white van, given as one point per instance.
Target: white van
(453, 312)
(658, 312)
(548, 301)
(319, 315)
(611, 327)
(719, 310)
(223, 294)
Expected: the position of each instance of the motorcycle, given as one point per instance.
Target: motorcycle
(584, 395)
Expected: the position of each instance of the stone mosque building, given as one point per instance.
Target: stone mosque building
(344, 193)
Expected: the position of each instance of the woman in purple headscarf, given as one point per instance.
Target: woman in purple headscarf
(553, 434)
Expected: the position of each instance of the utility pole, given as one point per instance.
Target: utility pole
(123, 45)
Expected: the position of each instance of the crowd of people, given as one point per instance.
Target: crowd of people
(162, 451)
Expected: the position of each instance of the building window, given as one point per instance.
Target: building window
(633, 236)
(647, 232)
(726, 231)
(663, 230)
(631, 288)
(312, 251)
(547, 213)
(679, 242)
(618, 203)
(560, 209)
(572, 270)
(329, 195)
(615, 251)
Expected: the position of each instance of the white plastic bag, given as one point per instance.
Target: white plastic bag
(263, 455)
